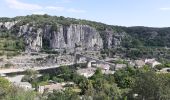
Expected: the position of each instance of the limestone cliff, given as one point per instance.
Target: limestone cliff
(113, 39)
(60, 37)
(67, 37)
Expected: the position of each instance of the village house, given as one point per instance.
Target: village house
(24, 85)
(53, 86)
(86, 72)
(50, 87)
(139, 63)
(120, 66)
(152, 62)
(104, 67)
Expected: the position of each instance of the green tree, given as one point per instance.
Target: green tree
(17, 93)
(46, 77)
(125, 77)
(65, 72)
(67, 94)
(4, 87)
(97, 75)
(30, 76)
(152, 86)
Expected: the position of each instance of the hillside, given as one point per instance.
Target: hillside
(71, 59)
(36, 33)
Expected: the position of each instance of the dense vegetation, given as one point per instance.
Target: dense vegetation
(126, 84)
(145, 36)
(123, 85)
(10, 45)
(10, 92)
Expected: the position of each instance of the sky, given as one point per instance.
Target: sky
(151, 13)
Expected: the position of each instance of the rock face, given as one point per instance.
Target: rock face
(80, 35)
(61, 37)
(64, 36)
(113, 39)
(7, 25)
(117, 39)
(32, 37)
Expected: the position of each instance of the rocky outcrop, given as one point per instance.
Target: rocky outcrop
(63, 36)
(32, 37)
(70, 36)
(113, 39)
(60, 37)
(7, 25)
(117, 38)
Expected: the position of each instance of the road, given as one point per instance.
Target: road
(14, 70)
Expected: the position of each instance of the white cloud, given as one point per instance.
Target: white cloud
(55, 8)
(72, 10)
(38, 9)
(165, 8)
(22, 6)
